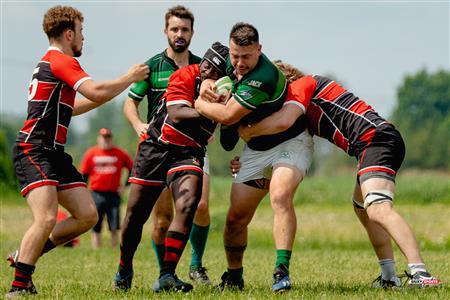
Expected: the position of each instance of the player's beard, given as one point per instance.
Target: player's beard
(77, 52)
(179, 48)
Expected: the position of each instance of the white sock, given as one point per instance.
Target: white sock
(418, 267)
(387, 268)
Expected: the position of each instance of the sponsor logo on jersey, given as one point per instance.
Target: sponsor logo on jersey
(255, 83)
(245, 95)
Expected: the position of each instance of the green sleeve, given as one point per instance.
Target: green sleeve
(250, 97)
(138, 90)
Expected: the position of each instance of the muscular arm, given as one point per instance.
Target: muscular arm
(180, 112)
(104, 91)
(82, 106)
(275, 123)
(131, 112)
(227, 114)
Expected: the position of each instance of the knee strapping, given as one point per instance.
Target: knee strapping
(357, 204)
(378, 196)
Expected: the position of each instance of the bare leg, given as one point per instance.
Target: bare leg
(78, 201)
(96, 240)
(162, 217)
(43, 202)
(244, 200)
(380, 239)
(114, 238)
(202, 217)
(384, 215)
(283, 185)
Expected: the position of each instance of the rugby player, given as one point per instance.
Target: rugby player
(179, 28)
(171, 154)
(45, 172)
(351, 124)
(273, 162)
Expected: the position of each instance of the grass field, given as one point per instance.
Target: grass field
(332, 257)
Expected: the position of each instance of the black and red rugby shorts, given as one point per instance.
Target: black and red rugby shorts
(158, 164)
(381, 153)
(36, 165)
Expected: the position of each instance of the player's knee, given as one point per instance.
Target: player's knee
(47, 222)
(378, 197)
(378, 205)
(281, 200)
(236, 221)
(90, 218)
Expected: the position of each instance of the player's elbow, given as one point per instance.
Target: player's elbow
(229, 120)
(283, 124)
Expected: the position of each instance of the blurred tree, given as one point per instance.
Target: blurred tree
(422, 115)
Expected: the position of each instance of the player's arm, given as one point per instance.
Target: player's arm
(131, 112)
(181, 112)
(104, 91)
(275, 123)
(82, 106)
(227, 114)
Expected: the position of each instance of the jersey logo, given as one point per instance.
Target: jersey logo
(255, 83)
(246, 95)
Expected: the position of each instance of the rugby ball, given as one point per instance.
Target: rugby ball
(223, 85)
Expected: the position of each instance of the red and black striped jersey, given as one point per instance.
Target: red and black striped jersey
(51, 97)
(334, 113)
(183, 88)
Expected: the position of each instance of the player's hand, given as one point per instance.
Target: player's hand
(140, 128)
(245, 132)
(235, 165)
(138, 72)
(208, 91)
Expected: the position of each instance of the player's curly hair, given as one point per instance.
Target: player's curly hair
(291, 72)
(244, 34)
(181, 12)
(59, 18)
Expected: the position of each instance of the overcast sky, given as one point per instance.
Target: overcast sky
(367, 45)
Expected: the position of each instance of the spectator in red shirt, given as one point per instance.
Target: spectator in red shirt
(102, 165)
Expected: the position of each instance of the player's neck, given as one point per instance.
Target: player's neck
(66, 49)
(181, 59)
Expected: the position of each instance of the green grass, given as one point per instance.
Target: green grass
(332, 257)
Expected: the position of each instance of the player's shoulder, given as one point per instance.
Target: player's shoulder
(194, 59)
(187, 71)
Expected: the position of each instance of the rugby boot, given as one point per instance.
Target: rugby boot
(392, 283)
(422, 280)
(18, 292)
(281, 281)
(230, 283)
(122, 283)
(198, 275)
(170, 282)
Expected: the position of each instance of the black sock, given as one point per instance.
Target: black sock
(49, 245)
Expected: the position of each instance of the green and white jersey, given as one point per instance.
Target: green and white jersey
(161, 68)
(263, 90)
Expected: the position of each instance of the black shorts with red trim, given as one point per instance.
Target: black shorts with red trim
(36, 166)
(158, 164)
(383, 155)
